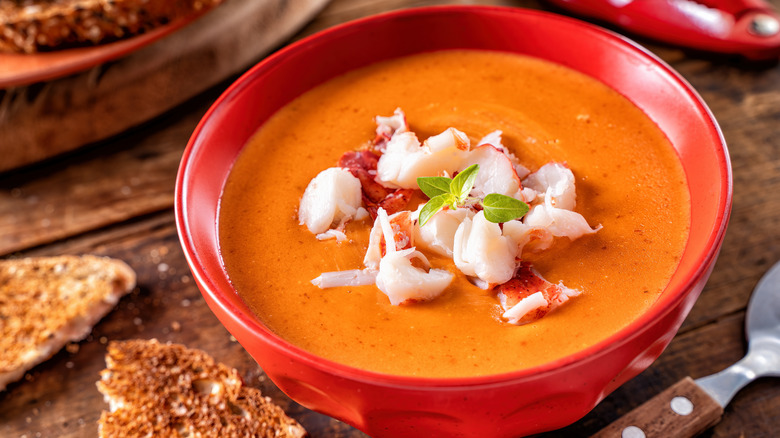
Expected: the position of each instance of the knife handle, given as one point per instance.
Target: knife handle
(683, 410)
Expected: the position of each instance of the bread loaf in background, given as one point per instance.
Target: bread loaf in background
(30, 26)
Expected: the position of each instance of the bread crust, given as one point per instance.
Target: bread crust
(157, 389)
(46, 302)
(30, 26)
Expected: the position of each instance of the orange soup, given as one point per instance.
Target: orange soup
(628, 180)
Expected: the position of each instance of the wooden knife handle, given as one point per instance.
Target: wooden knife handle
(684, 410)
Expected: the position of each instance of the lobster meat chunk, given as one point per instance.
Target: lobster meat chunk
(402, 281)
(528, 297)
(401, 226)
(331, 199)
(387, 127)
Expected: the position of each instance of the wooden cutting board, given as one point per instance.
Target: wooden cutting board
(45, 119)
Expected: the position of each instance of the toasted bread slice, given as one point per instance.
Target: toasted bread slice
(47, 302)
(35, 25)
(169, 390)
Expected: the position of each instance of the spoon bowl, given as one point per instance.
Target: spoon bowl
(762, 328)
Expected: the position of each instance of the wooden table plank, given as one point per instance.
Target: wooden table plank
(116, 180)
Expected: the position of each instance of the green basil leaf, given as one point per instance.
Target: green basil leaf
(502, 208)
(433, 206)
(463, 182)
(452, 200)
(434, 186)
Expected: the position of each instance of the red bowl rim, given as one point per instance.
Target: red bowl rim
(665, 304)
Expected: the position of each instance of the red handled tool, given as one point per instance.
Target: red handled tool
(746, 27)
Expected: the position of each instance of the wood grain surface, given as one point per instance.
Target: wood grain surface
(115, 198)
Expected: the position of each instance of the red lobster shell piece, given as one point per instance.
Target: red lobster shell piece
(527, 282)
(362, 164)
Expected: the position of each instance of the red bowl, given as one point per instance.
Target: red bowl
(517, 403)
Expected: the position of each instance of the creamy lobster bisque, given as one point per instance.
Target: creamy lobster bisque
(628, 177)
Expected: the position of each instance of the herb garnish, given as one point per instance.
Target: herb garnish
(454, 193)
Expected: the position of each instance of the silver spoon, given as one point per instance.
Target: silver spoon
(690, 406)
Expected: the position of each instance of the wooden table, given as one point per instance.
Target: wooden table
(115, 198)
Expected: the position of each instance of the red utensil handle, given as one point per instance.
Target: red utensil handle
(747, 27)
(682, 411)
